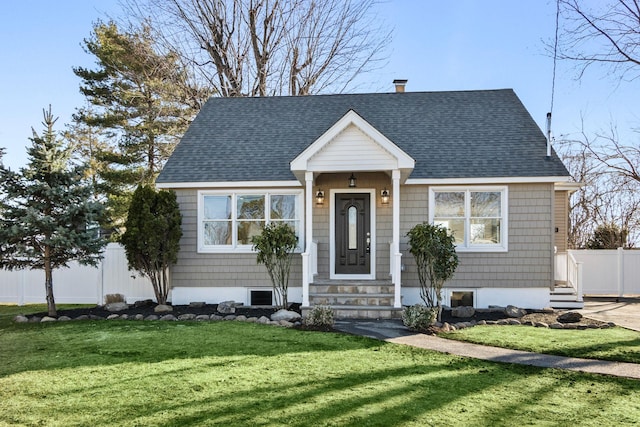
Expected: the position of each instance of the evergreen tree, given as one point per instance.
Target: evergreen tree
(152, 236)
(48, 215)
(141, 102)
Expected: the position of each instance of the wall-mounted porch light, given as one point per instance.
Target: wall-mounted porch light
(384, 196)
(352, 181)
(319, 197)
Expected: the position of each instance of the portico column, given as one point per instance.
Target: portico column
(397, 265)
(308, 211)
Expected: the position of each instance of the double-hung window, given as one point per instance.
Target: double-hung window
(477, 216)
(228, 220)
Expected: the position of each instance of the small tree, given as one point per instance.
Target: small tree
(433, 248)
(152, 236)
(607, 236)
(275, 248)
(47, 215)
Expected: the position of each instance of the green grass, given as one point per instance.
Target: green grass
(615, 344)
(128, 373)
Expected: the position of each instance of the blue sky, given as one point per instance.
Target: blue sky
(437, 45)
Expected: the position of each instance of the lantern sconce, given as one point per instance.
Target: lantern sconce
(319, 197)
(384, 195)
(352, 181)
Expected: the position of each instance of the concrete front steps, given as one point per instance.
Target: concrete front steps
(355, 299)
(564, 297)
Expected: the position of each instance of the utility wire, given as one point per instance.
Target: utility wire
(555, 56)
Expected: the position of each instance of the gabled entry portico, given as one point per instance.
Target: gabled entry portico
(352, 145)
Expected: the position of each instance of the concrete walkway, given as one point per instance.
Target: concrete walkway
(623, 312)
(394, 331)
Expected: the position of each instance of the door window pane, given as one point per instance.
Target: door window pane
(353, 227)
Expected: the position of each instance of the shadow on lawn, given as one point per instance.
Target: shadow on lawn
(48, 346)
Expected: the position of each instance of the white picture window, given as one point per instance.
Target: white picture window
(477, 216)
(228, 220)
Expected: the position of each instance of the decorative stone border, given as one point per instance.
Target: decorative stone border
(264, 320)
(447, 327)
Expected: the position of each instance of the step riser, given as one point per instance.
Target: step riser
(350, 300)
(563, 297)
(351, 289)
(566, 304)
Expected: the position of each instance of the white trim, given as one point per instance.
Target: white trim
(504, 220)
(568, 186)
(201, 248)
(229, 184)
(489, 180)
(404, 161)
(332, 234)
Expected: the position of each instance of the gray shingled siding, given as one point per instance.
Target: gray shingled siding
(528, 263)
(195, 269)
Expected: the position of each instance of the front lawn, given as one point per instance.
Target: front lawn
(126, 373)
(616, 344)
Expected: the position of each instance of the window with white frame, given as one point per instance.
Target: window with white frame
(477, 216)
(228, 220)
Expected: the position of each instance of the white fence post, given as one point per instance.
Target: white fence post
(620, 263)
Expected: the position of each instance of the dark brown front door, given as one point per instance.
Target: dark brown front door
(353, 235)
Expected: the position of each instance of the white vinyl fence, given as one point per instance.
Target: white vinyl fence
(609, 272)
(78, 284)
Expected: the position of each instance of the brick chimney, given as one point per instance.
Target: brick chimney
(400, 84)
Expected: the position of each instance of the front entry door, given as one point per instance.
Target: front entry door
(353, 233)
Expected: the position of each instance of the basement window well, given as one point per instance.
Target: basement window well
(462, 299)
(261, 297)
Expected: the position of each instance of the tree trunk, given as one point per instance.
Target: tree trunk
(48, 282)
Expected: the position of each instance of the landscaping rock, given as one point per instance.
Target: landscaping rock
(202, 318)
(163, 308)
(540, 325)
(482, 322)
(124, 316)
(570, 317)
(285, 323)
(514, 322)
(168, 318)
(116, 306)
(151, 317)
(48, 319)
(94, 317)
(463, 311)
(285, 315)
(227, 307)
(187, 316)
(263, 320)
(143, 303)
(20, 319)
(216, 317)
(64, 318)
(82, 317)
(502, 322)
(252, 319)
(241, 318)
(138, 317)
(556, 326)
(113, 316)
(513, 311)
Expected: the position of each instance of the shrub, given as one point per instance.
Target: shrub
(319, 316)
(111, 298)
(419, 317)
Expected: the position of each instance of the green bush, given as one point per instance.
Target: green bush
(320, 316)
(419, 317)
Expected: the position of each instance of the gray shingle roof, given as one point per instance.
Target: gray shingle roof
(460, 134)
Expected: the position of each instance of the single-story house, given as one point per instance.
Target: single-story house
(352, 173)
